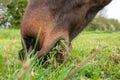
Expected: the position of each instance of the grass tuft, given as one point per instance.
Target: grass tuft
(106, 65)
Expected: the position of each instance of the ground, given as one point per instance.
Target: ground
(106, 65)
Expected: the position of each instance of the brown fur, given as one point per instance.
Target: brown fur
(57, 19)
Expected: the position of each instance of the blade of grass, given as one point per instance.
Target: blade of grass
(81, 65)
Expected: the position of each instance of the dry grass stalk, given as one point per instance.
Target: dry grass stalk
(81, 65)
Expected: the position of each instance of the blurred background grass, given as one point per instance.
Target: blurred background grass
(105, 66)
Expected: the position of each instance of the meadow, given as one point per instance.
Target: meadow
(105, 66)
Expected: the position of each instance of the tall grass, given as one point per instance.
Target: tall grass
(105, 66)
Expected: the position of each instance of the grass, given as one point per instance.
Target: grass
(106, 66)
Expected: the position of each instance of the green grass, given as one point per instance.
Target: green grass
(105, 66)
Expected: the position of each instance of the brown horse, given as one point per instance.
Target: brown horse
(56, 19)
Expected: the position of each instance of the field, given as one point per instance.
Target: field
(105, 66)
